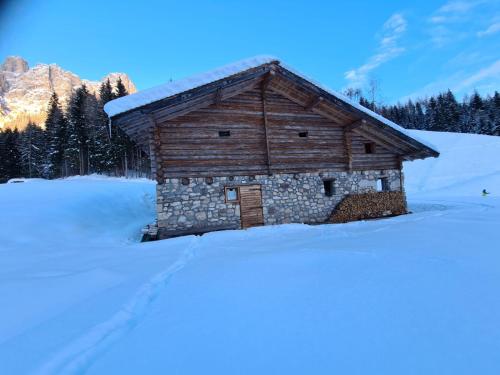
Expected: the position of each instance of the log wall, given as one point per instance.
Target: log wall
(265, 131)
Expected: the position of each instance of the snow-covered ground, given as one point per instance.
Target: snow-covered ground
(415, 294)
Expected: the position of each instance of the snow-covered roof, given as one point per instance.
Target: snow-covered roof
(144, 97)
(166, 90)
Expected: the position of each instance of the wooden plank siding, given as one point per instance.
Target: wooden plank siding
(381, 158)
(190, 145)
(289, 152)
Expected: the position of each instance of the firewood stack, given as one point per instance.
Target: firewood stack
(369, 206)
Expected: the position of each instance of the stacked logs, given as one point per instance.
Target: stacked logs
(369, 206)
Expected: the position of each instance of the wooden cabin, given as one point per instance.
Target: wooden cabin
(256, 143)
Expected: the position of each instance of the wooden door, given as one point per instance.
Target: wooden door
(251, 206)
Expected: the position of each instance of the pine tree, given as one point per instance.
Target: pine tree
(419, 121)
(32, 151)
(120, 142)
(11, 160)
(3, 157)
(77, 151)
(120, 88)
(102, 155)
(494, 114)
(106, 92)
(442, 112)
(431, 115)
(476, 113)
(55, 131)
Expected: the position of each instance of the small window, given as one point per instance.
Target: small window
(329, 186)
(369, 148)
(231, 194)
(383, 184)
(303, 134)
(224, 133)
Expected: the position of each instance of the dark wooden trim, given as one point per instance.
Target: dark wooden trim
(266, 81)
(158, 157)
(199, 91)
(218, 97)
(313, 103)
(348, 148)
(203, 101)
(278, 79)
(352, 110)
(354, 125)
(154, 149)
(381, 140)
(265, 120)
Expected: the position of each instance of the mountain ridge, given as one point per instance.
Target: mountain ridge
(25, 91)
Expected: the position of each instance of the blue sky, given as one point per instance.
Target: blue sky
(410, 48)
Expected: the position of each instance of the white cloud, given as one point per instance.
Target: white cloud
(388, 49)
(453, 11)
(447, 22)
(458, 6)
(484, 80)
(491, 72)
(492, 29)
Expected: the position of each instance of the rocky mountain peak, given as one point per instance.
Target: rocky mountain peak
(14, 64)
(25, 92)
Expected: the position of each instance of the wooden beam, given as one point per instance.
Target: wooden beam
(218, 97)
(381, 141)
(348, 148)
(152, 153)
(155, 144)
(264, 117)
(313, 103)
(302, 101)
(354, 125)
(266, 81)
(195, 103)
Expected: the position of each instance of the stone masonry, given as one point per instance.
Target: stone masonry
(197, 205)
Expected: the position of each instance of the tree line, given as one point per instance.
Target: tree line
(442, 112)
(76, 140)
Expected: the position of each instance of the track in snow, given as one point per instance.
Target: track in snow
(79, 354)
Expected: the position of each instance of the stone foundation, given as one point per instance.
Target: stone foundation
(197, 205)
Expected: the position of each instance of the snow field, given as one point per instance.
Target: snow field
(412, 294)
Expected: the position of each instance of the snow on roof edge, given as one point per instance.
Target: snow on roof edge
(148, 96)
(153, 94)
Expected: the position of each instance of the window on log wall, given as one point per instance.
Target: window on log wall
(369, 148)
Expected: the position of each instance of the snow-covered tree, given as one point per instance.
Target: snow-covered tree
(121, 90)
(77, 151)
(33, 151)
(55, 133)
(10, 166)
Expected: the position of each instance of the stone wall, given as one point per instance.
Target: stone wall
(198, 205)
